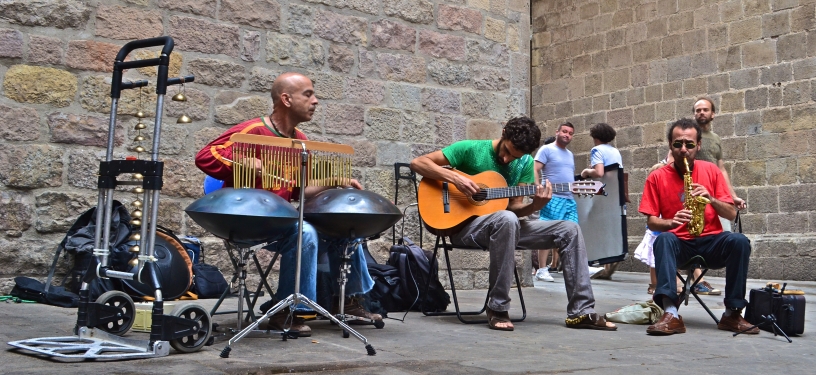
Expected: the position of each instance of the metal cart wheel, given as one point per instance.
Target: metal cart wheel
(195, 341)
(122, 301)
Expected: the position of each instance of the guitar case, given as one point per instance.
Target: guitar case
(173, 267)
(603, 219)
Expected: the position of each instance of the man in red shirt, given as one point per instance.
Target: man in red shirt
(662, 203)
(293, 102)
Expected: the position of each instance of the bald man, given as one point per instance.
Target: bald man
(293, 102)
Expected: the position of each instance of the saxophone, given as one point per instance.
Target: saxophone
(696, 205)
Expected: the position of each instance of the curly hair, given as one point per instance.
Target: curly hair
(523, 133)
(685, 123)
(602, 132)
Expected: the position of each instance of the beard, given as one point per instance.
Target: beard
(496, 156)
(703, 121)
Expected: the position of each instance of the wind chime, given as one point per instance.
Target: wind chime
(136, 214)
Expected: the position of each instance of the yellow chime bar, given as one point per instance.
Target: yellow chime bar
(328, 164)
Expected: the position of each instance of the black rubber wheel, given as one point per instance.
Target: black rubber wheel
(196, 341)
(345, 334)
(379, 324)
(122, 301)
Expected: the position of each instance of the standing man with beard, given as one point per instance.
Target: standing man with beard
(502, 232)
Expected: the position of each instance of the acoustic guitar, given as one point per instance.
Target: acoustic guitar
(444, 209)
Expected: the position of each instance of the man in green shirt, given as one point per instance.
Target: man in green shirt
(502, 232)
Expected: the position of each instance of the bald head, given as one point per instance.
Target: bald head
(288, 83)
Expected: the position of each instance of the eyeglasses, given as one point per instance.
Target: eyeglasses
(689, 144)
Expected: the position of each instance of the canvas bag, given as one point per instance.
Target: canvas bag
(637, 313)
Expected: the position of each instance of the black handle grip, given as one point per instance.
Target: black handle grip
(179, 80)
(163, 61)
(133, 85)
(165, 41)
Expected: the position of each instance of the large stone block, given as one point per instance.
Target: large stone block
(44, 50)
(487, 52)
(217, 72)
(91, 55)
(416, 11)
(457, 18)
(365, 6)
(441, 100)
(117, 22)
(796, 93)
(745, 31)
(30, 257)
(401, 68)
(341, 58)
(448, 74)
(446, 46)
(393, 35)
(804, 69)
(389, 153)
(483, 129)
(62, 14)
(193, 34)
(781, 171)
(31, 166)
(759, 53)
(264, 14)
(19, 123)
(16, 210)
(491, 78)
(260, 79)
(200, 7)
(56, 211)
(417, 127)
(250, 46)
(237, 111)
(495, 30)
(405, 96)
(83, 130)
(365, 152)
(344, 119)
(364, 91)
(340, 28)
(449, 129)
(11, 43)
(383, 124)
(294, 50)
(38, 85)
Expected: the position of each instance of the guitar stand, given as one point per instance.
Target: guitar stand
(765, 320)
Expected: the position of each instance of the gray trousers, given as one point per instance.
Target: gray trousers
(501, 233)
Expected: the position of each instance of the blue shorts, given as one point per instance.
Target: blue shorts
(560, 209)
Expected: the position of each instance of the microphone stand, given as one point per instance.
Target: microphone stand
(765, 320)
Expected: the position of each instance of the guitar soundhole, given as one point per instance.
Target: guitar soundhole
(480, 198)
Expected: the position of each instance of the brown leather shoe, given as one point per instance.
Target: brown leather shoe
(667, 325)
(736, 323)
(352, 306)
(279, 321)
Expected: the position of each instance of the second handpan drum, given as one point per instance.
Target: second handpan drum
(350, 213)
(243, 216)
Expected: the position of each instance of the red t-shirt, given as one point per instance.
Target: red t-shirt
(663, 195)
(211, 158)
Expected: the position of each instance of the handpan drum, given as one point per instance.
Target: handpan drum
(350, 213)
(243, 216)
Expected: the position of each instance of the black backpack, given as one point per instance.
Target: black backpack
(387, 290)
(415, 270)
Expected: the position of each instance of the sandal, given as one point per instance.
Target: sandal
(590, 321)
(651, 289)
(496, 317)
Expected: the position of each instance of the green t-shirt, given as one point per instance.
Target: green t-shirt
(476, 156)
(710, 147)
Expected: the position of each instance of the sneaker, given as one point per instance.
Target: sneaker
(552, 269)
(543, 275)
(594, 270)
(704, 288)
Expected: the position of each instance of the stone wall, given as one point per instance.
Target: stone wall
(396, 78)
(638, 65)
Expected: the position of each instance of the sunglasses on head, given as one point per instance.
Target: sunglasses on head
(689, 144)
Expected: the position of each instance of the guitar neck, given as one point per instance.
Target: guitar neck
(520, 191)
